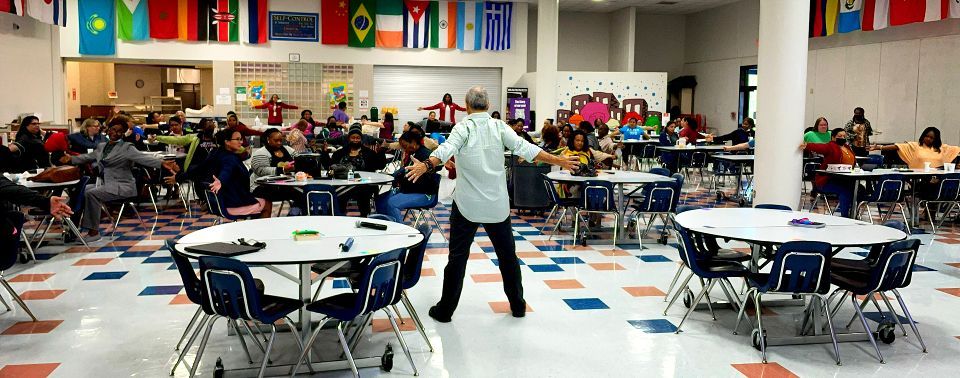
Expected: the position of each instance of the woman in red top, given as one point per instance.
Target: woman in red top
(445, 106)
(275, 110)
(835, 152)
(689, 130)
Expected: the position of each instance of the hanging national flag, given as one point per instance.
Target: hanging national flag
(416, 24)
(363, 27)
(876, 14)
(52, 12)
(163, 19)
(443, 24)
(499, 17)
(849, 16)
(937, 10)
(390, 23)
(815, 26)
(469, 25)
(97, 27)
(133, 22)
(196, 23)
(904, 12)
(257, 14)
(954, 8)
(12, 6)
(225, 20)
(335, 20)
(830, 13)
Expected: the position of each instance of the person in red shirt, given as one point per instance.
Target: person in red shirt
(275, 110)
(689, 130)
(835, 152)
(234, 123)
(446, 106)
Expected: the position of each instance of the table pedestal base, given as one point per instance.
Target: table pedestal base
(284, 370)
(817, 339)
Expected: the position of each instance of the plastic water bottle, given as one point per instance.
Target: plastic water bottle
(256, 121)
(350, 173)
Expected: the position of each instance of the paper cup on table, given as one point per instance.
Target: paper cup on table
(949, 167)
(926, 166)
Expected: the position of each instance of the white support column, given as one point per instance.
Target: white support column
(781, 87)
(545, 103)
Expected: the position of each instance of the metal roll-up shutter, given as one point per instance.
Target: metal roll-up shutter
(407, 87)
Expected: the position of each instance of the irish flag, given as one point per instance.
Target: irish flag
(133, 24)
(390, 23)
(470, 25)
(443, 24)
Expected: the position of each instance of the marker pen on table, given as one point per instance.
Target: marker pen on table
(346, 245)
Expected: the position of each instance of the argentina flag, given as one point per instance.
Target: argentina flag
(499, 17)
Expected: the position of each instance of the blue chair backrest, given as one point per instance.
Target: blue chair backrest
(887, 188)
(893, 223)
(76, 201)
(876, 160)
(688, 249)
(661, 197)
(551, 189)
(414, 261)
(230, 290)
(660, 171)
(321, 199)
(801, 267)
(598, 196)
(894, 267)
(380, 285)
(949, 188)
(435, 198)
(772, 206)
(191, 284)
(10, 244)
(213, 203)
(649, 151)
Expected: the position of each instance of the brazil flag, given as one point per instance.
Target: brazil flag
(362, 23)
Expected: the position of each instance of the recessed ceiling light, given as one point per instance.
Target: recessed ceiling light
(597, 1)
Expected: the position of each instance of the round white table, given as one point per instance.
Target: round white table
(46, 185)
(366, 178)
(769, 227)
(618, 179)
(281, 249)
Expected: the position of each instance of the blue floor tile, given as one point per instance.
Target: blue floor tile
(653, 258)
(496, 262)
(487, 249)
(542, 268)
(158, 260)
(341, 284)
(137, 254)
(194, 264)
(921, 268)
(113, 249)
(586, 304)
(654, 325)
(548, 248)
(567, 260)
(875, 316)
(105, 276)
(161, 290)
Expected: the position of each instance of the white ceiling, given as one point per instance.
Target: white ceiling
(644, 6)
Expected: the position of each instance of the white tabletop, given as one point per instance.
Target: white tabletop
(770, 227)
(282, 249)
(691, 148)
(46, 185)
(366, 178)
(639, 141)
(735, 158)
(879, 172)
(615, 177)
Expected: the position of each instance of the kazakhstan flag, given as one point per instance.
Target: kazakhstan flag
(97, 27)
(362, 24)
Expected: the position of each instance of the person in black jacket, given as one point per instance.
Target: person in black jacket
(362, 159)
(30, 141)
(344, 139)
(231, 179)
(406, 194)
(738, 136)
(12, 219)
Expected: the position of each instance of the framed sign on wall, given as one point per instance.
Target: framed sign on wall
(291, 26)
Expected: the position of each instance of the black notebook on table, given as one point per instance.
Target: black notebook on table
(221, 249)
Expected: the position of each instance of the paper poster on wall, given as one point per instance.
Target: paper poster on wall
(224, 91)
(255, 91)
(223, 100)
(364, 103)
(338, 93)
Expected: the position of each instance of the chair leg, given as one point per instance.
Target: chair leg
(266, 355)
(309, 345)
(416, 318)
(546, 220)
(616, 227)
(75, 230)
(763, 341)
(203, 345)
(893, 314)
(436, 222)
(563, 214)
(253, 336)
(742, 312)
(734, 302)
(16, 298)
(694, 304)
(833, 334)
(193, 336)
(403, 343)
(576, 226)
(346, 350)
(680, 290)
(676, 277)
(707, 295)
(903, 213)
(119, 216)
(933, 225)
(296, 336)
(29, 247)
(358, 334)
(861, 307)
(397, 311)
(4, 303)
(193, 320)
(913, 324)
(866, 327)
(243, 343)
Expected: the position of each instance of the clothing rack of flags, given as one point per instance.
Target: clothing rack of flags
(828, 17)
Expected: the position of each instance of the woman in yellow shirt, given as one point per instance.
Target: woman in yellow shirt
(929, 149)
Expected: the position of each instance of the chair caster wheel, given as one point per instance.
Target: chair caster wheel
(687, 298)
(887, 333)
(755, 338)
(386, 361)
(662, 240)
(742, 202)
(24, 258)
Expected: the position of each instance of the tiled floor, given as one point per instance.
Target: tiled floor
(118, 309)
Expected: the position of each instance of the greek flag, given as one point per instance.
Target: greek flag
(499, 17)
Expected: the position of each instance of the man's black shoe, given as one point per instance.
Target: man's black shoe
(435, 314)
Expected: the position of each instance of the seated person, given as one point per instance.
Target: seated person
(741, 146)
(820, 133)
(231, 182)
(191, 142)
(296, 136)
(588, 130)
(233, 123)
(29, 141)
(690, 130)
(362, 159)
(87, 138)
(116, 159)
(275, 159)
(369, 127)
(12, 220)
(550, 140)
(344, 139)
(428, 142)
(633, 131)
(835, 152)
(334, 129)
(307, 115)
(518, 126)
(408, 194)
(738, 136)
(607, 145)
(669, 137)
(928, 149)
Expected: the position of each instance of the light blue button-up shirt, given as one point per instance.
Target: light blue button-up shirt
(478, 142)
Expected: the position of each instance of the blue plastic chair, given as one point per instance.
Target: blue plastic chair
(559, 204)
(410, 276)
(76, 205)
(379, 287)
(9, 252)
(893, 269)
(658, 199)
(947, 193)
(705, 268)
(321, 199)
(382, 217)
(799, 268)
(889, 190)
(228, 291)
(597, 198)
(427, 210)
